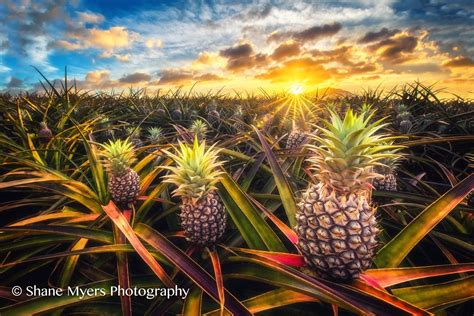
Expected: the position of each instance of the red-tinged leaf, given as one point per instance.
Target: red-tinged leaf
(218, 275)
(272, 299)
(145, 197)
(392, 254)
(288, 259)
(371, 281)
(94, 234)
(121, 222)
(189, 267)
(123, 273)
(262, 269)
(335, 310)
(387, 297)
(286, 194)
(287, 231)
(389, 277)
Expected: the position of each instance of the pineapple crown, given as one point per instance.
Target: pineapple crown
(154, 134)
(119, 156)
(348, 149)
(133, 131)
(199, 128)
(196, 171)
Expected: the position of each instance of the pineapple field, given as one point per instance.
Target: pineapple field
(267, 204)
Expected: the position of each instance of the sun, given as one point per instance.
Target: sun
(296, 89)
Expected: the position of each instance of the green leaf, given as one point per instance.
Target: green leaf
(247, 209)
(193, 303)
(286, 194)
(431, 296)
(189, 267)
(392, 254)
(122, 223)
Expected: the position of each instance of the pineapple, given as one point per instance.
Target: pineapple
(176, 115)
(124, 183)
(336, 223)
(134, 136)
(196, 173)
(213, 117)
(298, 135)
(199, 129)
(44, 133)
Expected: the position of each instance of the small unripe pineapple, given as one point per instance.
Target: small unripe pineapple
(134, 136)
(155, 135)
(203, 216)
(336, 223)
(198, 129)
(44, 133)
(176, 115)
(124, 182)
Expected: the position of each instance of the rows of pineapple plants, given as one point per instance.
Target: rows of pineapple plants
(355, 204)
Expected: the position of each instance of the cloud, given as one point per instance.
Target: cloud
(182, 77)
(237, 51)
(285, 50)
(310, 34)
(396, 50)
(90, 18)
(136, 77)
(108, 39)
(460, 61)
(241, 57)
(384, 33)
(154, 43)
(305, 70)
(14, 83)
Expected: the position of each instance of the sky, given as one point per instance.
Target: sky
(238, 45)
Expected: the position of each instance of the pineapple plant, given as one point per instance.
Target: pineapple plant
(44, 133)
(203, 216)
(404, 119)
(213, 117)
(134, 136)
(336, 223)
(123, 182)
(198, 129)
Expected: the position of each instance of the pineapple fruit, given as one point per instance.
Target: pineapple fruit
(336, 223)
(44, 133)
(203, 216)
(124, 183)
(298, 135)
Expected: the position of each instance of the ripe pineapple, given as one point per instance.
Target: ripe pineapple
(196, 173)
(198, 129)
(336, 223)
(124, 183)
(44, 133)
(213, 117)
(298, 135)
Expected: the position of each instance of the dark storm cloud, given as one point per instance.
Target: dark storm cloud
(237, 51)
(14, 83)
(135, 78)
(384, 33)
(460, 61)
(310, 34)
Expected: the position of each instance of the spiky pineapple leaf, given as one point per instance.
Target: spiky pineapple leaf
(392, 254)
